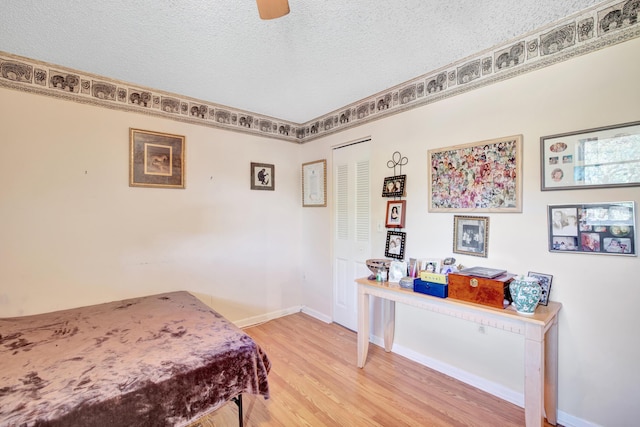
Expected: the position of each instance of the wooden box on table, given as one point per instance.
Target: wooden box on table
(480, 290)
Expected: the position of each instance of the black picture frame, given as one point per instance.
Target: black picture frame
(607, 228)
(544, 280)
(394, 186)
(394, 248)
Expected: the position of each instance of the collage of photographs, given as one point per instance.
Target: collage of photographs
(606, 228)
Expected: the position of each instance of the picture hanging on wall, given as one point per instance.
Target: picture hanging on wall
(394, 186)
(594, 228)
(593, 158)
(156, 159)
(314, 184)
(394, 247)
(263, 176)
(395, 213)
(471, 235)
(483, 176)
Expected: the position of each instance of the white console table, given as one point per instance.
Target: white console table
(540, 332)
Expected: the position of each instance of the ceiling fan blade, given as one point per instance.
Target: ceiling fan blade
(270, 9)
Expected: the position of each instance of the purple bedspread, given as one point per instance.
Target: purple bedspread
(160, 360)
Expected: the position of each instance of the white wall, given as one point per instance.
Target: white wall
(73, 232)
(599, 379)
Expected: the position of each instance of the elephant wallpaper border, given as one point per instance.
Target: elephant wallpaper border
(596, 28)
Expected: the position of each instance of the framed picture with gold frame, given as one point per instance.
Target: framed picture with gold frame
(314, 184)
(471, 235)
(156, 159)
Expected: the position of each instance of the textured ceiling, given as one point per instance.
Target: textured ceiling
(322, 56)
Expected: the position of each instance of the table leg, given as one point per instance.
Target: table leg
(389, 321)
(363, 325)
(551, 373)
(533, 375)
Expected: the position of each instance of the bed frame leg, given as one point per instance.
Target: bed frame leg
(238, 400)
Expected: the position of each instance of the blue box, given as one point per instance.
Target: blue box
(435, 289)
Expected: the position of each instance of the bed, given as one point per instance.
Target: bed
(159, 360)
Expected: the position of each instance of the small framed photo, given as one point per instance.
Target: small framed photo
(471, 235)
(545, 283)
(397, 270)
(263, 176)
(429, 264)
(394, 247)
(394, 186)
(156, 159)
(607, 228)
(395, 214)
(314, 184)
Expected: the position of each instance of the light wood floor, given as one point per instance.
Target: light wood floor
(314, 381)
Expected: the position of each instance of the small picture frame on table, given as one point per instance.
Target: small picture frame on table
(544, 280)
(471, 235)
(397, 270)
(394, 247)
(395, 214)
(431, 265)
(394, 186)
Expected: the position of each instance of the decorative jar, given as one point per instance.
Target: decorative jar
(525, 293)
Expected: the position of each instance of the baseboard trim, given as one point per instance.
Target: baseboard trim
(504, 393)
(256, 320)
(476, 381)
(316, 314)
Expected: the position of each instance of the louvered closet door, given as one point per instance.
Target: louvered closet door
(352, 221)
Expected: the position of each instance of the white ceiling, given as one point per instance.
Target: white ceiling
(323, 55)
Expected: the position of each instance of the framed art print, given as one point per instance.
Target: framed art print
(262, 176)
(394, 247)
(483, 176)
(471, 235)
(395, 214)
(594, 158)
(314, 184)
(156, 159)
